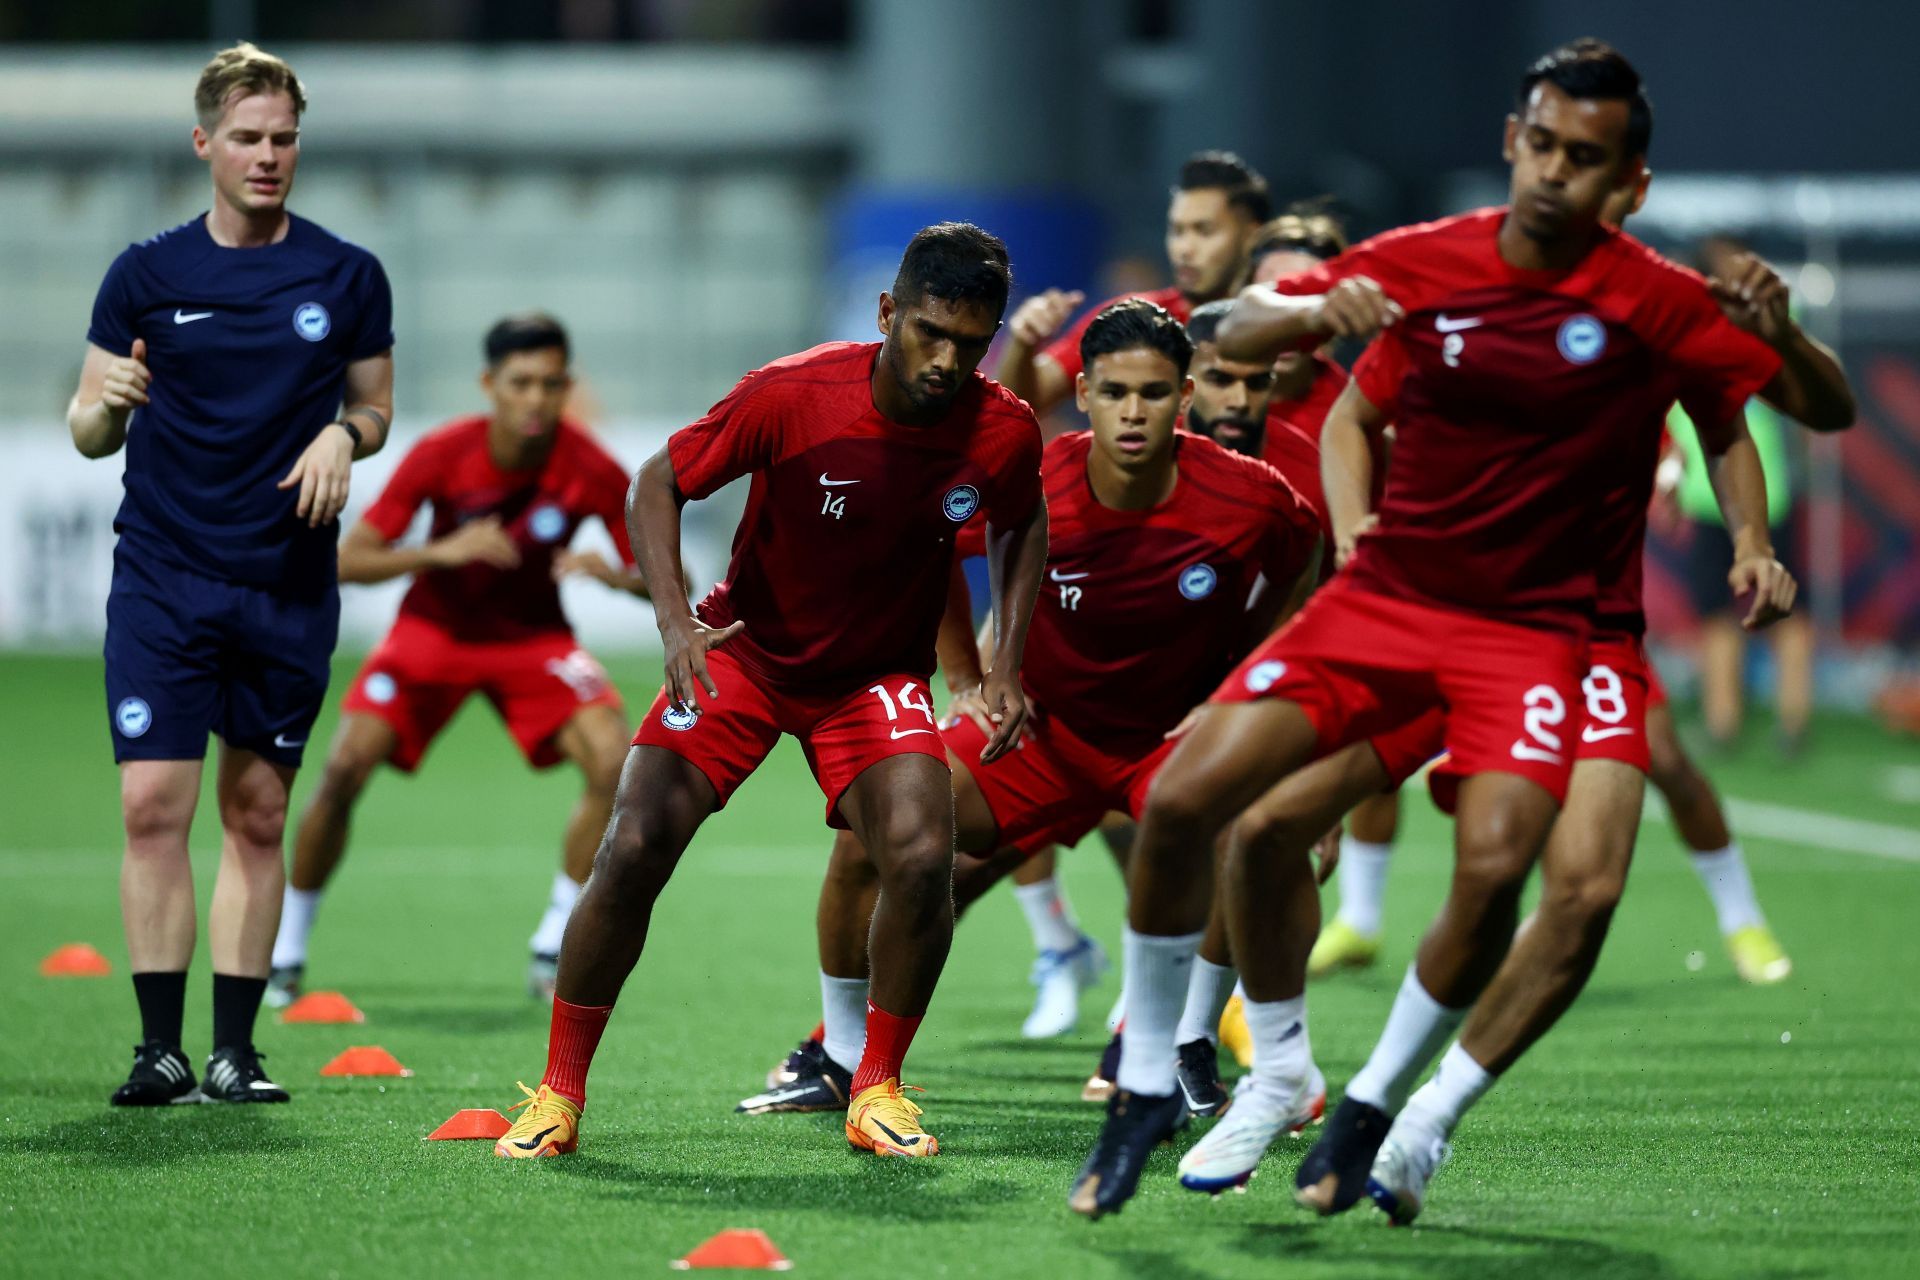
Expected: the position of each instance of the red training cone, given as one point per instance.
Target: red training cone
(75, 960)
(322, 1006)
(474, 1122)
(745, 1249)
(365, 1060)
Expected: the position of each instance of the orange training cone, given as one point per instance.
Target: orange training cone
(75, 960)
(322, 1006)
(474, 1122)
(365, 1060)
(743, 1249)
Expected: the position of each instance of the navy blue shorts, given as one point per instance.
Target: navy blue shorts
(188, 655)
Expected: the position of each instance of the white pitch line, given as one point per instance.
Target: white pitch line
(1828, 831)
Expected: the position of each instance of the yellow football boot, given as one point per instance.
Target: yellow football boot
(1757, 955)
(1341, 946)
(1234, 1036)
(882, 1120)
(550, 1126)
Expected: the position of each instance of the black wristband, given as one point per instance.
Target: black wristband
(358, 439)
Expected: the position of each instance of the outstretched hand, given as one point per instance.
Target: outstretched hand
(687, 646)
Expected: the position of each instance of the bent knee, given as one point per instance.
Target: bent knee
(343, 778)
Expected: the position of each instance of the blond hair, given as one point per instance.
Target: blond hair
(246, 70)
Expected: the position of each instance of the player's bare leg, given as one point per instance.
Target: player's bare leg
(252, 795)
(1271, 896)
(157, 799)
(1352, 938)
(901, 810)
(1583, 873)
(596, 740)
(1501, 823)
(1716, 857)
(1723, 648)
(361, 744)
(1229, 759)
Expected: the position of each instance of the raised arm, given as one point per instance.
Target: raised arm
(111, 388)
(1811, 386)
(1016, 557)
(1346, 469)
(1265, 323)
(1740, 486)
(1023, 370)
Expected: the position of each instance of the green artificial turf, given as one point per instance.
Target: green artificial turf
(1678, 1124)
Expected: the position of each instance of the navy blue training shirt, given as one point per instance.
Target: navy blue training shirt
(249, 350)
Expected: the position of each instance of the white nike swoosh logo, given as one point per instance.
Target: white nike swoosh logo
(188, 317)
(1589, 735)
(280, 740)
(1058, 576)
(1445, 325)
(825, 481)
(908, 733)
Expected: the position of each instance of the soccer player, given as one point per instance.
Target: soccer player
(1217, 207)
(245, 360)
(1167, 556)
(1526, 351)
(508, 490)
(866, 459)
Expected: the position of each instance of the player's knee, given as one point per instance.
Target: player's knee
(1265, 833)
(1494, 854)
(343, 778)
(636, 857)
(256, 818)
(919, 862)
(602, 769)
(1175, 808)
(156, 815)
(1584, 897)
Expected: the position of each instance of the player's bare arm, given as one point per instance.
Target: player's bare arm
(653, 524)
(1739, 484)
(1023, 370)
(1015, 559)
(1346, 468)
(1265, 324)
(1811, 386)
(591, 564)
(111, 388)
(959, 650)
(323, 473)
(366, 556)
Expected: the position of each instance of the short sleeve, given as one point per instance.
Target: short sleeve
(114, 313)
(1381, 369)
(373, 334)
(610, 502)
(972, 539)
(1290, 534)
(741, 434)
(1016, 490)
(1720, 365)
(411, 484)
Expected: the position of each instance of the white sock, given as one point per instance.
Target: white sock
(1048, 915)
(1435, 1110)
(1415, 1030)
(297, 910)
(1363, 883)
(843, 1009)
(553, 925)
(1209, 987)
(1157, 970)
(1724, 873)
(1282, 1056)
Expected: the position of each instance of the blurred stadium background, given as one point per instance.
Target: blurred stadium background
(696, 186)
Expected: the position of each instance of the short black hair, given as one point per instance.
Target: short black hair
(1224, 171)
(1204, 324)
(1593, 69)
(955, 262)
(1133, 323)
(528, 331)
(1305, 226)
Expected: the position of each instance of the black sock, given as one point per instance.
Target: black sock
(162, 996)
(235, 1002)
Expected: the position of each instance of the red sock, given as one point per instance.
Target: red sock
(574, 1036)
(888, 1038)
(819, 1033)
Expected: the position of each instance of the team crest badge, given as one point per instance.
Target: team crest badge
(1197, 581)
(1582, 339)
(679, 718)
(960, 503)
(547, 522)
(1264, 676)
(133, 717)
(311, 321)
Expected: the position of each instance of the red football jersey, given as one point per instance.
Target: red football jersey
(840, 565)
(1523, 404)
(1065, 349)
(539, 509)
(1309, 413)
(1143, 613)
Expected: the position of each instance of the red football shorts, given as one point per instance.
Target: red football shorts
(1361, 665)
(1614, 697)
(1054, 786)
(1405, 751)
(419, 675)
(843, 732)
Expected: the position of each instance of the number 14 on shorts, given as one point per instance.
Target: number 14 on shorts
(911, 697)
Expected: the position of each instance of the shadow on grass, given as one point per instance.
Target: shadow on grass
(156, 1137)
(468, 1019)
(1447, 1253)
